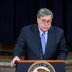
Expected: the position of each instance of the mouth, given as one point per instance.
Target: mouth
(45, 27)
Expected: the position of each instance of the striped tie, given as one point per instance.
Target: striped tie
(43, 42)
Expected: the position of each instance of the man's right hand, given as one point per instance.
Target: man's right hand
(16, 58)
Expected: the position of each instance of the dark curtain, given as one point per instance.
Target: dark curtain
(6, 21)
(18, 13)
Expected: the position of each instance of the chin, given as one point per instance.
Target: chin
(45, 30)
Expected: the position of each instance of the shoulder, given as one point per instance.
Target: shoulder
(57, 29)
(28, 27)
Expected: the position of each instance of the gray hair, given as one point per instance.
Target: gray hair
(44, 12)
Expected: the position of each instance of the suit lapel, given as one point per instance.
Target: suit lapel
(37, 49)
(49, 40)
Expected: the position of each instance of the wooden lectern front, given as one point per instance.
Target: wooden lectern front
(40, 66)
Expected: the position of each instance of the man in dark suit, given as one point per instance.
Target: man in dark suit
(41, 41)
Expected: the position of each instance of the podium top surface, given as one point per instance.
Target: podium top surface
(19, 61)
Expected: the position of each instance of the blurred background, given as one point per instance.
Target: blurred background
(14, 14)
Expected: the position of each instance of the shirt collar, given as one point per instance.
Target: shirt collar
(41, 32)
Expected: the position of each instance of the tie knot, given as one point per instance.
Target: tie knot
(43, 33)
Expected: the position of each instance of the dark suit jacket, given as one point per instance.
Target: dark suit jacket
(29, 43)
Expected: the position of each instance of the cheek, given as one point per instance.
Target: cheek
(41, 26)
(49, 25)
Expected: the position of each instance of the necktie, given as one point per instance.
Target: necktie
(43, 42)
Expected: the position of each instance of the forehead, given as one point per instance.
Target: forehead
(46, 17)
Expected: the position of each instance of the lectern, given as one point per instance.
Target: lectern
(40, 66)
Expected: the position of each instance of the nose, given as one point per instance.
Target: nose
(46, 23)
